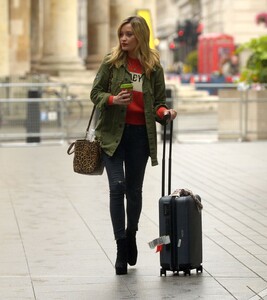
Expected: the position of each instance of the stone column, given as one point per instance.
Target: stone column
(19, 36)
(60, 50)
(98, 29)
(36, 33)
(4, 37)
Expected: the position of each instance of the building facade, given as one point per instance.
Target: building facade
(57, 36)
(236, 18)
(50, 36)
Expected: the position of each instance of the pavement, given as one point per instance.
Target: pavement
(56, 236)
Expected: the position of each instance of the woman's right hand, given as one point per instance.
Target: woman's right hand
(123, 98)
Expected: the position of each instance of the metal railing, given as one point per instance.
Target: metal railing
(222, 112)
(43, 112)
(39, 112)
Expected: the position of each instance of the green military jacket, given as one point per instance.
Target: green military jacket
(110, 125)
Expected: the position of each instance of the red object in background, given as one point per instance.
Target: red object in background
(172, 46)
(262, 18)
(181, 33)
(213, 50)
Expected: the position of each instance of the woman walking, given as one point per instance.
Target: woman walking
(127, 127)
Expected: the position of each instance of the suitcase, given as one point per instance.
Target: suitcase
(180, 221)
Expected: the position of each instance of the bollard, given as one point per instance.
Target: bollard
(33, 117)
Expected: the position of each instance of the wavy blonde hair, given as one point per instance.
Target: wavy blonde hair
(149, 58)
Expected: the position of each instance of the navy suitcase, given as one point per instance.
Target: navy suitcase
(180, 221)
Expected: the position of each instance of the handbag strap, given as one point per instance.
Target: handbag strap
(70, 150)
(91, 118)
(94, 108)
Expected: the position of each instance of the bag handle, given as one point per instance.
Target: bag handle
(70, 147)
(94, 108)
(91, 118)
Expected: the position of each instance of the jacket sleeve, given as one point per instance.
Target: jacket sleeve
(99, 93)
(159, 92)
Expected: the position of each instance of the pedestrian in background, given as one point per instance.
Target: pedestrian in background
(126, 127)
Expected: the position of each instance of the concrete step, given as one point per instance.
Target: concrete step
(187, 93)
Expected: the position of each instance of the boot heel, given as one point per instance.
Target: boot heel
(121, 261)
(132, 251)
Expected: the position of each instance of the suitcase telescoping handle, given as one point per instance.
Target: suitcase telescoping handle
(164, 156)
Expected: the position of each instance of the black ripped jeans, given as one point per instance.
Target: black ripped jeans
(125, 170)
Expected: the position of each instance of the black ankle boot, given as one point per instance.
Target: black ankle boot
(121, 261)
(131, 247)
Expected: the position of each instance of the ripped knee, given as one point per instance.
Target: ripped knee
(118, 187)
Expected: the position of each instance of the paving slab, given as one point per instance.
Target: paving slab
(56, 236)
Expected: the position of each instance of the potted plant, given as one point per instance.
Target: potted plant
(249, 113)
(255, 70)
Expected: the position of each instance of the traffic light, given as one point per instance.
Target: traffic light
(181, 34)
(188, 32)
(172, 45)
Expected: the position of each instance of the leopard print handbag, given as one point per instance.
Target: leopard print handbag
(87, 155)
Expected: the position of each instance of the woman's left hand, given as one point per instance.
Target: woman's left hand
(172, 113)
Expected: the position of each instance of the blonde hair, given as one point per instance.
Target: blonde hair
(149, 58)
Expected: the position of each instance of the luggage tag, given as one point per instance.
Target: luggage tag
(159, 242)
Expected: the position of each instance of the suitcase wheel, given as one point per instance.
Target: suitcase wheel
(187, 272)
(162, 272)
(200, 269)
